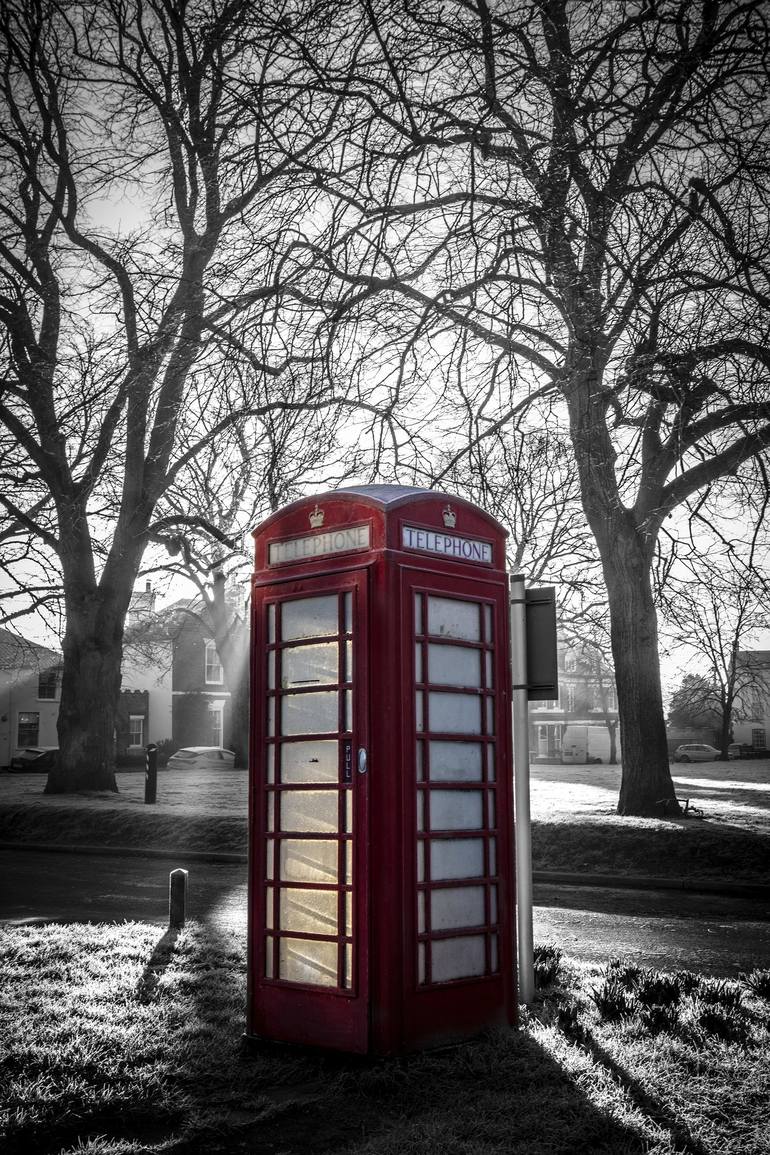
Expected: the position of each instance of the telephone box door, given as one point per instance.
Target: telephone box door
(309, 870)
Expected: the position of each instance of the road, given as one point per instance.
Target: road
(664, 929)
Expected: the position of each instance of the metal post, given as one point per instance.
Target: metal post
(177, 898)
(523, 830)
(151, 773)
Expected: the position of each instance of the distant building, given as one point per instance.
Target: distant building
(582, 724)
(751, 714)
(30, 688)
(174, 687)
(145, 706)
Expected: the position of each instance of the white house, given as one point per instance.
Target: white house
(30, 686)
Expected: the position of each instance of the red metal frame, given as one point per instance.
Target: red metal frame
(389, 1009)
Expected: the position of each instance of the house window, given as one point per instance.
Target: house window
(758, 738)
(570, 699)
(214, 676)
(216, 723)
(46, 684)
(29, 729)
(136, 730)
(570, 662)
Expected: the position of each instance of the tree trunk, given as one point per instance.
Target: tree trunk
(646, 789)
(91, 675)
(612, 729)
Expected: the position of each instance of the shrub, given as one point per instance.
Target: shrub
(612, 1000)
(655, 990)
(657, 1018)
(627, 974)
(547, 964)
(721, 993)
(759, 982)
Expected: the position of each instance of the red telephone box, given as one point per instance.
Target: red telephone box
(381, 877)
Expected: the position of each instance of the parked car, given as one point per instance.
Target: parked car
(37, 759)
(695, 752)
(202, 758)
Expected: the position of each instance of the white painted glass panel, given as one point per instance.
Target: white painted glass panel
(457, 958)
(457, 906)
(310, 713)
(309, 762)
(454, 713)
(309, 911)
(421, 912)
(488, 669)
(488, 624)
(418, 662)
(418, 710)
(420, 761)
(418, 613)
(269, 845)
(310, 665)
(455, 761)
(309, 618)
(348, 899)
(348, 671)
(491, 809)
(348, 864)
(454, 666)
(490, 708)
(269, 908)
(271, 623)
(308, 860)
(421, 962)
(269, 957)
(421, 861)
(490, 762)
(493, 856)
(271, 717)
(493, 904)
(270, 756)
(450, 618)
(493, 953)
(456, 810)
(348, 983)
(271, 810)
(456, 858)
(316, 810)
(308, 961)
(348, 700)
(348, 811)
(420, 810)
(348, 613)
(271, 660)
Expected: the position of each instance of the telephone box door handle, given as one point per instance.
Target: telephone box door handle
(362, 762)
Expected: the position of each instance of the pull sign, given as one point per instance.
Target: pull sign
(361, 760)
(347, 768)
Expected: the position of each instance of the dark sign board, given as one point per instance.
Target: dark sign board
(542, 666)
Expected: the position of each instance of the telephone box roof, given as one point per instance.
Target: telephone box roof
(384, 496)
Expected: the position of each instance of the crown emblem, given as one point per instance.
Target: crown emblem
(317, 517)
(450, 517)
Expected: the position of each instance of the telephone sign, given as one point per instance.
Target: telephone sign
(381, 879)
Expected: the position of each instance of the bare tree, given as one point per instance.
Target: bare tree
(191, 127)
(572, 198)
(710, 610)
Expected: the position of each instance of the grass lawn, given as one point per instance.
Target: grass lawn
(575, 827)
(117, 1041)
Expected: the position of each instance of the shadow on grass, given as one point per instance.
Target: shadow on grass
(147, 987)
(497, 1093)
(682, 1139)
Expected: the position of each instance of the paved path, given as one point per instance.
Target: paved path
(664, 929)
